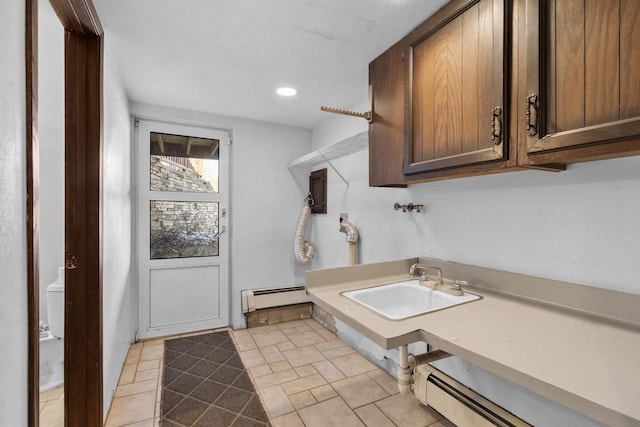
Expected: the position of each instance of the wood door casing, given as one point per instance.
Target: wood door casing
(582, 60)
(456, 75)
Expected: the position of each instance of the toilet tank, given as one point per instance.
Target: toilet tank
(55, 305)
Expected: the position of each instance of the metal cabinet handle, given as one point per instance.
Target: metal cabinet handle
(219, 233)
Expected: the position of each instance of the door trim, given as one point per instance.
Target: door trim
(83, 147)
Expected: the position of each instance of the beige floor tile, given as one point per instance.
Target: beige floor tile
(338, 351)
(150, 374)
(269, 338)
(145, 423)
(289, 330)
(330, 413)
(252, 358)
(281, 365)
(53, 394)
(275, 401)
(302, 399)
(128, 374)
(301, 384)
(290, 420)
(373, 416)
(149, 364)
(264, 329)
(328, 345)
(152, 352)
(324, 392)
(285, 346)
(359, 390)
(313, 324)
(326, 334)
(244, 342)
(135, 388)
(292, 324)
(52, 415)
(270, 380)
(240, 332)
(328, 371)
(305, 371)
(406, 411)
(271, 354)
(42, 405)
(303, 356)
(130, 409)
(134, 354)
(385, 381)
(258, 371)
(310, 337)
(151, 343)
(353, 364)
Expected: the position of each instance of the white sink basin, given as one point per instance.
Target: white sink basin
(405, 299)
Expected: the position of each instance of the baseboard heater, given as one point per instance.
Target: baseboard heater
(256, 299)
(459, 404)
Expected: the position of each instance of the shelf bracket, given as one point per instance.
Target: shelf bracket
(334, 169)
(367, 115)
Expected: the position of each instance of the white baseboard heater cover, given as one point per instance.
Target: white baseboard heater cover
(459, 404)
(256, 299)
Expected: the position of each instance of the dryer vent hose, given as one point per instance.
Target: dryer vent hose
(303, 250)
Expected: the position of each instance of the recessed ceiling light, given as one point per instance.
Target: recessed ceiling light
(286, 91)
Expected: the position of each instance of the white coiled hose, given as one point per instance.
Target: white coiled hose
(303, 250)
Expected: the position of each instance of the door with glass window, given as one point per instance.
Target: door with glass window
(182, 228)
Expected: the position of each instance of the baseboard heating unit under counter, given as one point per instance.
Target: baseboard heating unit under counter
(459, 404)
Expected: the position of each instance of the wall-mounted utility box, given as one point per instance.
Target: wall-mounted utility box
(318, 190)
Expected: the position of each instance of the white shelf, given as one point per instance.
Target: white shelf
(353, 144)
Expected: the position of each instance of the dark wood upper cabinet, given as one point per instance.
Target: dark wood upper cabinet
(582, 81)
(456, 97)
(386, 131)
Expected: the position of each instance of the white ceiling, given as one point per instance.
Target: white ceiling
(229, 56)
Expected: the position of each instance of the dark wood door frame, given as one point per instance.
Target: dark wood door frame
(83, 222)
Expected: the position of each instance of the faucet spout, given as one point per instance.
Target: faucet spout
(423, 267)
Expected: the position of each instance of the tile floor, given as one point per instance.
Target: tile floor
(52, 407)
(305, 375)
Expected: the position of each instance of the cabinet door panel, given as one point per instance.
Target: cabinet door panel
(456, 74)
(582, 58)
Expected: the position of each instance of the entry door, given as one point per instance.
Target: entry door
(182, 227)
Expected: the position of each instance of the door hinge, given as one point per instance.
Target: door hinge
(136, 123)
(70, 262)
(496, 126)
(230, 140)
(531, 114)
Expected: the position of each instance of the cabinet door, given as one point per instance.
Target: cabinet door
(582, 78)
(455, 69)
(386, 138)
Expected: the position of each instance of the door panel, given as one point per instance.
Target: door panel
(182, 182)
(581, 62)
(183, 294)
(455, 91)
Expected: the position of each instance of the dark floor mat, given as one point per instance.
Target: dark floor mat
(205, 384)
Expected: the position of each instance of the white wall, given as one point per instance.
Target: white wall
(13, 247)
(117, 258)
(578, 226)
(265, 198)
(51, 136)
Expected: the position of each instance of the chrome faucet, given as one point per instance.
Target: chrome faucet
(423, 276)
(455, 289)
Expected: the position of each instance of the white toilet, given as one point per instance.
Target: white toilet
(55, 305)
(52, 345)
